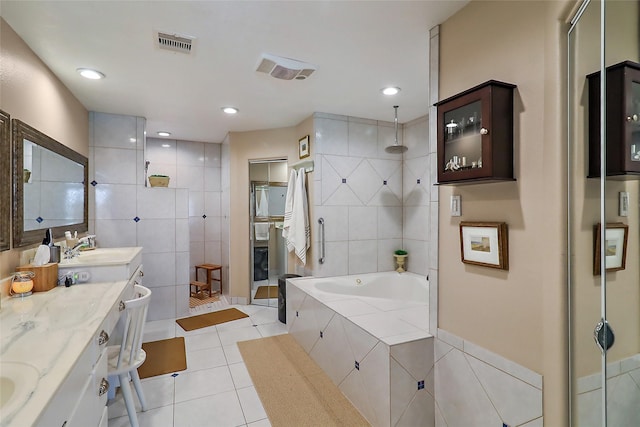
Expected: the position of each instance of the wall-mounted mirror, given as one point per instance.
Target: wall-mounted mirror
(5, 179)
(50, 187)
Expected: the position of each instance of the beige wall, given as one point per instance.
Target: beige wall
(521, 313)
(30, 92)
(245, 146)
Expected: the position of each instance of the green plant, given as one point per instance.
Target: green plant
(401, 252)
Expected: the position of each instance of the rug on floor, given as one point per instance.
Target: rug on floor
(265, 292)
(195, 302)
(292, 388)
(163, 357)
(210, 319)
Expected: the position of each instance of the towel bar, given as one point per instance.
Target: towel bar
(321, 222)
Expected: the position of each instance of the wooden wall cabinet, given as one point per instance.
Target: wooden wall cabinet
(622, 121)
(475, 135)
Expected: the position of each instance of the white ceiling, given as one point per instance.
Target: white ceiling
(358, 46)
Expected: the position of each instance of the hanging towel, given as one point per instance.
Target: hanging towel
(262, 204)
(261, 230)
(288, 209)
(299, 230)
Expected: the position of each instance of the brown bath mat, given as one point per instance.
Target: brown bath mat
(195, 302)
(265, 292)
(210, 319)
(163, 357)
(292, 387)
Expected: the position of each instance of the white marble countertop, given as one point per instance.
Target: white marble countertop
(48, 331)
(102, 256)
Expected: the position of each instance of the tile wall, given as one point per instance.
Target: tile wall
(358, 190)
(475, 387)
(623, 395)
(177, 226)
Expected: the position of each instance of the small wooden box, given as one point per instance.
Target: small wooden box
(46, 276)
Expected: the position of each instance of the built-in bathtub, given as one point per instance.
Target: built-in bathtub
(370, 335)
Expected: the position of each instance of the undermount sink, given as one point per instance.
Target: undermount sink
(17, 381)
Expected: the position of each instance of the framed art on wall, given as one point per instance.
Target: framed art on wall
(303, 147)
(485, 244)
(615, 247)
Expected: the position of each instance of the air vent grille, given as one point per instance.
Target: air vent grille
(284, 68)
(174, 42)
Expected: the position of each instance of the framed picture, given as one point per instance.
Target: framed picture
(615, 247)
(485, 244)
(303, 147)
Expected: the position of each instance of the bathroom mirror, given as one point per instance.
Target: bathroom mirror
(49, 186)
(5, 180)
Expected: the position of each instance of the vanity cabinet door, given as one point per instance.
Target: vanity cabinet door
(475, 135)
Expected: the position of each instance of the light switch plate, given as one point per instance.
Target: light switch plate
(623, 205)
(456, 206)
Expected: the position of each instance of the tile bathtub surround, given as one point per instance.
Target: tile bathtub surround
(473, 386)
(216, 389)
(359, 192)
(377, 352)
(178, 226)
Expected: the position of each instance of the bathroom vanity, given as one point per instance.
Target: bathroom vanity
(53, 364)
(103, 264)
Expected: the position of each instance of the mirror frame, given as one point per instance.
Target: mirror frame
(20, 132)
(5, 181)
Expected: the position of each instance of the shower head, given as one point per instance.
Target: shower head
(396, 148)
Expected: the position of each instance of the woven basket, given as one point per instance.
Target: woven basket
(159, 181)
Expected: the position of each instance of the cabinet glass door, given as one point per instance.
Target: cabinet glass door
(462, 138)
(634, 123)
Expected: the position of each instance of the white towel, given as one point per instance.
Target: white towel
(262, 204)
(299, 230)
(288, 208)
(261, 230)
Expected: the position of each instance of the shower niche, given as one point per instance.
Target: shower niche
(475, 135)
(267, 194)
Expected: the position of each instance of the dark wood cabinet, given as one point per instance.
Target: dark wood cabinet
(475, 135)
(622, 121)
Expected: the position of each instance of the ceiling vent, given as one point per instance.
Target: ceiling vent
(174, 42)
(285, 68)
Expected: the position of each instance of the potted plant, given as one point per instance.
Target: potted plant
(159, 180)
(400, 255)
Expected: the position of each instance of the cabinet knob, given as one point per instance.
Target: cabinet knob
(104, 387)
(103, 338)
(121, 307)
(633, 118)
(484, 131)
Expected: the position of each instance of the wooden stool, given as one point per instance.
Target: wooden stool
(200, 289)
(209, 268)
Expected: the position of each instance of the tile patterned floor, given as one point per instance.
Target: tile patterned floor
(216, 389)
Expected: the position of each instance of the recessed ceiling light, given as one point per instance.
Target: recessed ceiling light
(166, 145)
(132, 140)
(88, 73)
(163, 133)
(230, 110)
(390, 90)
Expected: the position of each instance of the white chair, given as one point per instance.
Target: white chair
(124, 359)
